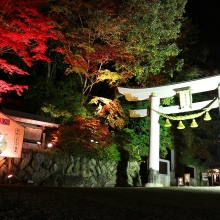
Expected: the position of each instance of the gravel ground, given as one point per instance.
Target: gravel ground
(33, 202)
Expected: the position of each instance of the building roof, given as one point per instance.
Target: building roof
(28, 118)
(214, 163)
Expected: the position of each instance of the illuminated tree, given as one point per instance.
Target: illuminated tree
(90, 35)
(24, 32)
(111, 110)
(86, 133)
(151, 32)
(85, 52)
(117, 41)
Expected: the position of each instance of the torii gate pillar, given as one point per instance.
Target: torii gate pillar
(154, 154)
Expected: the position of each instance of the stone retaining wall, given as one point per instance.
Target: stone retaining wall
(42, 169)
(165, 180)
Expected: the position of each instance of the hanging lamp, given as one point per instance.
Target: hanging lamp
(207, 117)
(167, 123)
(181, 125)
(194, 124)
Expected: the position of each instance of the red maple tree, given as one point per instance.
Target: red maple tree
(88, 133)
(92, 42)
(24, 32)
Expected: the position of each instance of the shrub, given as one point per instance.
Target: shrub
(109, 153)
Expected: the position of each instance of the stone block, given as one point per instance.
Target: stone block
(25, 161)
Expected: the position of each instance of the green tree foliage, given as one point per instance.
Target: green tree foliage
(134, 144)
(149, 33)
(66, 103)
(134, 138)
(152, 28)
(59, 99)
(195, 145)
(109, 153)
(166, 139)
(118, 41)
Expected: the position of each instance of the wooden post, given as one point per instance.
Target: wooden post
(9, 165)
(9, 170)
(219, 97)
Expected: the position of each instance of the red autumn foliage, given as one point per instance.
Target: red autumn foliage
(91, 133)
(24, 32)
(88, 133)
(7, 87)
(92, 41)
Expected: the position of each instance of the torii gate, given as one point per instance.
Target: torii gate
(154, 94)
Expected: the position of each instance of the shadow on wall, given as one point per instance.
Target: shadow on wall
(122, 177)
(131, 173)
(144, 170)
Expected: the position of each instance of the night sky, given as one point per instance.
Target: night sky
(205, 15)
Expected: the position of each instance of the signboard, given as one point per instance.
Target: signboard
(204, 177)
(11, 137)
(187, 178)
(180, 181)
